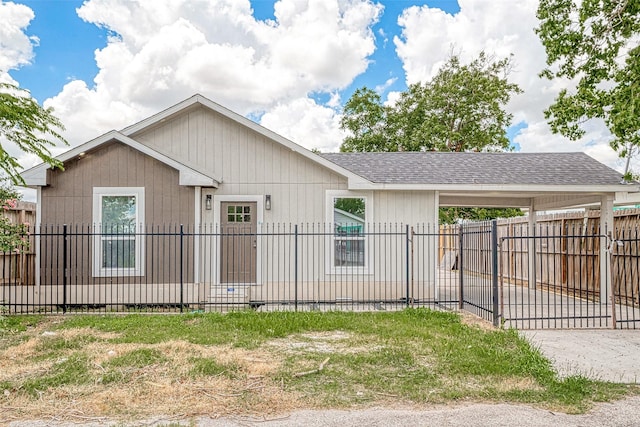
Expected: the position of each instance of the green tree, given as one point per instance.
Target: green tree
(595, 43)
(13, 237)
(365, 119)
(32, 128)
(453, 214)
(353, 205)
(460, 109)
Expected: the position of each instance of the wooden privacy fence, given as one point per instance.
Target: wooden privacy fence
(16, 267)
(567, 252)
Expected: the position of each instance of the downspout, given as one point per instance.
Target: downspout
(531, 253)
(196, 234)
(37, 232)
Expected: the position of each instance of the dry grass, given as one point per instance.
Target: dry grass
(165, 388)
(263, 366)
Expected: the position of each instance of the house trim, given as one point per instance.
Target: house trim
(330, 196)
(501, 188)
(37, 229)
(196, 233)
(138, 269)
(188, 176)
(201, 100)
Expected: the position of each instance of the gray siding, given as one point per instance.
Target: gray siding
(69, 197)
(69, 200)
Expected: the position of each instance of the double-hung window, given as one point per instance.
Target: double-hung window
(349, 215)
(118, 214)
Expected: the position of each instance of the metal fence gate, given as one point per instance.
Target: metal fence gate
(503, 273)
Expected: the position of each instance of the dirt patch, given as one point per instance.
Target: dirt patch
(320, 342)
(472, 320)
(252, 388)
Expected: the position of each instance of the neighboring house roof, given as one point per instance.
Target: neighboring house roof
(188, 175)
(343, 217)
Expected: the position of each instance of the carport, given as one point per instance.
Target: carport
(535, 182)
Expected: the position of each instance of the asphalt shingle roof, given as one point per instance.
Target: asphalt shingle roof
(477, 168)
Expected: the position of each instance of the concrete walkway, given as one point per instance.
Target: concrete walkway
(609, 355)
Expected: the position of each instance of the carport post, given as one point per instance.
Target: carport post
(494, 271)
(606, 229)
(531, 246)
(460, 264)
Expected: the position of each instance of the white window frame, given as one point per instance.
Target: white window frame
(98, 194)
(331, 196)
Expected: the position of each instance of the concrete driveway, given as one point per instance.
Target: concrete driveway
(604, 354)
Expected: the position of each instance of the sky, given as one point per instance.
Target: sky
(289, 64)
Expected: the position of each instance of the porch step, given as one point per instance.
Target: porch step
(228, 297)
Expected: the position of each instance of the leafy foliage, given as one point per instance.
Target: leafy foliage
(596, 43)
(461, 109)
(353, 205)
(453, 214)
(119, 212)
(30, 127)
(13, 237)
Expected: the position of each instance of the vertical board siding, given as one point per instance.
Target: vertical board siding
(69, 197)
(69, 200)
(248, 163)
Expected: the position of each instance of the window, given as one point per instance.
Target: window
(118, 214)
(238, 213)
(349, 216)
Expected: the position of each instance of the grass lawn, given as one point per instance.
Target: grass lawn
(135, 366)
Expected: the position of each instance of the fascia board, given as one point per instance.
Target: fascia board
(277, 138)
(161, 116)
(37, 176)
(188, 175)
(360, 185)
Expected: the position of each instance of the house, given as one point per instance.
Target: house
(200, 164)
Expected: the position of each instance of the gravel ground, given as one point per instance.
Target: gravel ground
(622, 413)
(617, 414)
(602, 354)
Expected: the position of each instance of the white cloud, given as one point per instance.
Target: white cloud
(165, 51)
(16, 48)
(501, 28)
(303, 121)
(383, 87)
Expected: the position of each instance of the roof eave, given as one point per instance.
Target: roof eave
(201, 100)
(529, 188)
(38, 177)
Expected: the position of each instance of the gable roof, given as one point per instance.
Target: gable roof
(198, 99)
(188, 175)
(447, 170)
(449, 173)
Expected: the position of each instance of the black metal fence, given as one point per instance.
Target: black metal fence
(185, 268)
(548, 279)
